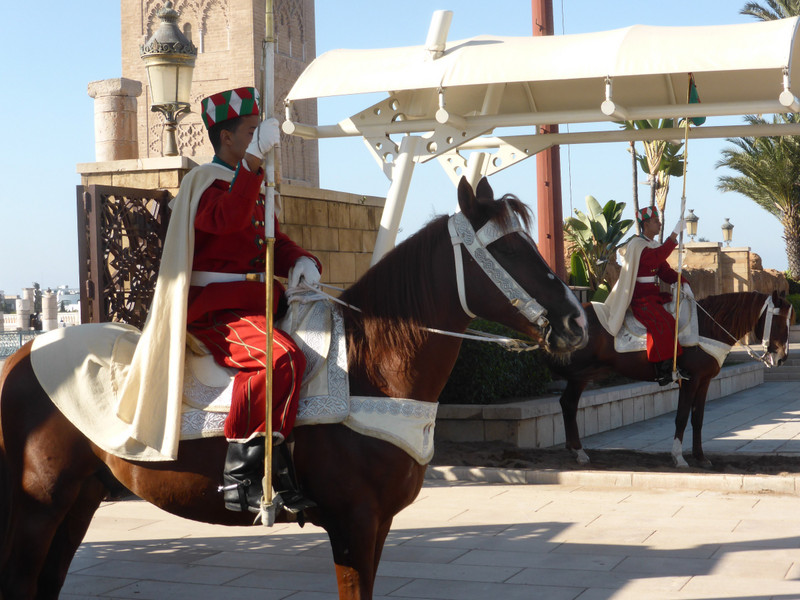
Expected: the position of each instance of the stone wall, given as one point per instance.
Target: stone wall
(337, 227)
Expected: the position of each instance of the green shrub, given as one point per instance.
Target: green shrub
(488, 373)
(794, 286)
(794, 299)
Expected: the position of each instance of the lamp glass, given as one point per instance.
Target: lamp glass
(727, 231)
(170, 79)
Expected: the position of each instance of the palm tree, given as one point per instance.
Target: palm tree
(772, 10)
(769, 174)
(661, 160)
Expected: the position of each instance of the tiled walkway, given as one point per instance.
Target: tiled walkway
(465, 541)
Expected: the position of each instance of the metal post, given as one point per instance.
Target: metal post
(267, 110)
(396, 198)
(548, 169)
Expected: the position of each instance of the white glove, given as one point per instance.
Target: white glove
(304, 268)
(679, 227)
(267, 135)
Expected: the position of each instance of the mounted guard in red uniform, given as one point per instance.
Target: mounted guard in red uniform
(226, 298)
(644, 265)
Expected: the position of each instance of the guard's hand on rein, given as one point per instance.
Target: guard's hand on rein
(265, 138)
(304, 268)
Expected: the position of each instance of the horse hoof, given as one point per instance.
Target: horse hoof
(703, 463)
(581, 456)
(679, 462)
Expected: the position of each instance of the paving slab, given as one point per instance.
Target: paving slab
(492, 533)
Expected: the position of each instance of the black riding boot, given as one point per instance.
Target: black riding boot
(664, 372)
(284, 481)
(241, 479)
(664, 375)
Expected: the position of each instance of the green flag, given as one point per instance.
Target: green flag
(694, 98)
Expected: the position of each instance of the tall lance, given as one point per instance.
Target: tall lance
(680, 235)
(267, 109)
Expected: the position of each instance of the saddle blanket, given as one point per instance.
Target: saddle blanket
(632, 336)
(87, 364)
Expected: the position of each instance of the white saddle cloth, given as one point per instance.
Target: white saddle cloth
(632, 336)
(75, 368)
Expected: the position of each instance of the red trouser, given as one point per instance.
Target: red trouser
(237, 339)
(660, 327)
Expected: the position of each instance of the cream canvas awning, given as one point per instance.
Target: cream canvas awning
(737, 68)
(443, 98)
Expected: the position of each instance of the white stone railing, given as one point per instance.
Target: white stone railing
(68, 319)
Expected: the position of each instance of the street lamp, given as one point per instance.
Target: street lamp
(169, 61)
(727, 231)
(691, 224)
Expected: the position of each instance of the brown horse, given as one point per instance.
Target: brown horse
(725, 318)
(54, 478)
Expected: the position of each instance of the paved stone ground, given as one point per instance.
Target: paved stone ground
(584, 538)
(465, 541)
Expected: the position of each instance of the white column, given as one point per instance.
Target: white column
(24, 308)
(49, 311)
(115, 129)
(396, 198)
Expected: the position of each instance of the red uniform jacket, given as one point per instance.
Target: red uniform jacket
(648, 300)
(229, 238)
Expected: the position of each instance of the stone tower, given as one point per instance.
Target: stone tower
(228, 35)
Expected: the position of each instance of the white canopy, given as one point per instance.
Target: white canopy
(453, 94)
(733, 66)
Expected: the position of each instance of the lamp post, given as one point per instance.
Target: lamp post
(727, 231)
(169, 58)
(691, 224)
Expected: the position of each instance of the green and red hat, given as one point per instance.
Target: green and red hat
(239, 102)
(646, 213)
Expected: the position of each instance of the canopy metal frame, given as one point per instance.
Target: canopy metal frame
(454, 121)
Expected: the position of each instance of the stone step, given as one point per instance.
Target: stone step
(786, 372)
(794, 334)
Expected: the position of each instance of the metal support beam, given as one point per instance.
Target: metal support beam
(396, 197)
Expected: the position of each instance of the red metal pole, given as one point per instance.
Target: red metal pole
(548, 170)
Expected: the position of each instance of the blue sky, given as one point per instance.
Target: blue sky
(49, 121)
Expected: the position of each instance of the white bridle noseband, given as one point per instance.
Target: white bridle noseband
(771, 310)
(462, 233)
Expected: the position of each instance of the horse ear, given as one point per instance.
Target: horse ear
(484, 190)
(783, 294)
(775, 297)
(466, 197)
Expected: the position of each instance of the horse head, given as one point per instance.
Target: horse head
(502, 253)
(774, 324)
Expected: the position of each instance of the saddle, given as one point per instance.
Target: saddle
(632, 336)
(318, 328)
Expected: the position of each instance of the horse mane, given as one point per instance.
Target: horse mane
(735, 312)
(396, 296)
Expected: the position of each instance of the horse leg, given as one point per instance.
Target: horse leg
(356, 544)
(68, 537)
(569, 410)
(681, 419)
(698, 411)
(47, 462)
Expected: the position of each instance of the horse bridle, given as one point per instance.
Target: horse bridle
(771, 310)
(462, 234)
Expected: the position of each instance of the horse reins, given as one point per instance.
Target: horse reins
(462, 234)
(771, 310)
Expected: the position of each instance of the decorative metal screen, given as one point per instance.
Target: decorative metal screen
(120, 237)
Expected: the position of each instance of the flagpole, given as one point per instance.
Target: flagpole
(267, 110)
(680, 234)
